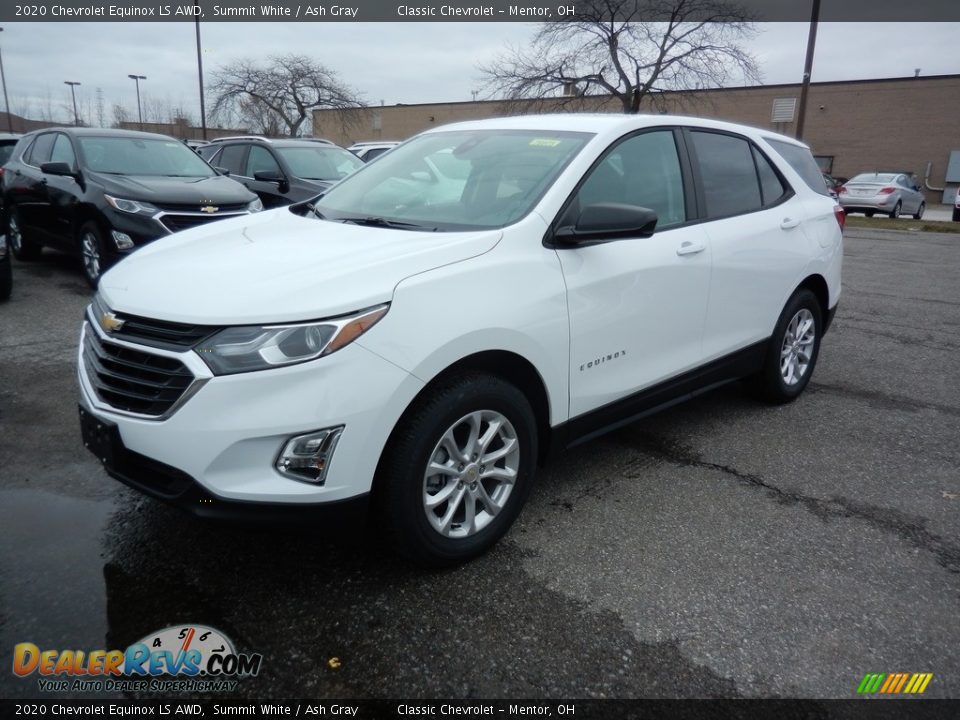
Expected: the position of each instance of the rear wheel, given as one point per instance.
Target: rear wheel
(895, 213)
(458, 470)
(918, 215)
(869, 213)
(956, 214)
(793, 350)
(93, 252)
(21, 244)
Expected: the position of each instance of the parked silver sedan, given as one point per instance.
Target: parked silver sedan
(890, 193)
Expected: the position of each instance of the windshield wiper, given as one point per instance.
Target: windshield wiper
(383, 222)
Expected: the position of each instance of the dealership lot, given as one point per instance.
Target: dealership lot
(721, 548)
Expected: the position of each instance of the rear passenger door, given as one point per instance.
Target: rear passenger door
(636, 305)
(758, 244)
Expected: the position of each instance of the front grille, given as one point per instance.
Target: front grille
(157, 333)
(176, 223)
(133, 380)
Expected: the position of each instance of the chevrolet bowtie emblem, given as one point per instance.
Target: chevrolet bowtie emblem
(208, 208)
(110, 322)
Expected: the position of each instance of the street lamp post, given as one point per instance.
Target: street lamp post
(808, 66)
(73, 94)
(203, 110)
(6, 102)
(137, 79)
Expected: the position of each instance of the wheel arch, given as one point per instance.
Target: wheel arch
(817, 284)
(508, 365)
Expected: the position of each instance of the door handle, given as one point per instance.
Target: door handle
(690, 248)
(788, 223)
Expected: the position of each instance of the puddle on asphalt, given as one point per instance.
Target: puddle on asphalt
(52, 590)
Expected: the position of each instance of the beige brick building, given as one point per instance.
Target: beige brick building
(852, 126)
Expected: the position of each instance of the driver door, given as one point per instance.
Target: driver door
(636, 305)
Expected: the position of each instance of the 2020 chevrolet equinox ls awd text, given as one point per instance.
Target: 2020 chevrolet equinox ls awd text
(420, 349)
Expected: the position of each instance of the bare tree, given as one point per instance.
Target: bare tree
(278, 94)
(629, 49)
(120, 115)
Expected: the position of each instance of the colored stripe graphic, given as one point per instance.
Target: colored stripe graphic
(894, 683)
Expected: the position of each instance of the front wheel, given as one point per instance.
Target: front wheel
(458, 470)
(793, 350)
(6, 277)
(93, 253)
(956, 214)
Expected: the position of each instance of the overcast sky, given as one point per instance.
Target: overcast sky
(393, 62)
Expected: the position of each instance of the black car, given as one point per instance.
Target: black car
(102, 193)
(281, 172)
(7, 143)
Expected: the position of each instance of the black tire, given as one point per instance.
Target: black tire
(956, 214)
(93, 268)
(401, 487)
(869, 213)
(23, 245)
(6, 276)
(895, 213)
(918, 215)
(770, 382)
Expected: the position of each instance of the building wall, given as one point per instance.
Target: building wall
(900, 123)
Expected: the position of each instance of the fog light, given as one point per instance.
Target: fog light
(122, 240)
(307, 457)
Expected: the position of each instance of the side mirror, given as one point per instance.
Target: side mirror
(268, 176)
(57, 168)
(222, 171)
(608, 221)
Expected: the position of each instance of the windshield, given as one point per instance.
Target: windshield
(874, 178)
(320, 163)
(142, 156)
(456, 180)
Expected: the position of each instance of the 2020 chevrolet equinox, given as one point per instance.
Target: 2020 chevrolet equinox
(420, 337)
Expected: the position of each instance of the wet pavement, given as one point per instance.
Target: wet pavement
(723, 548)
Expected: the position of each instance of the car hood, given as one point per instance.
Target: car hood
(275, 267)
(215, 190)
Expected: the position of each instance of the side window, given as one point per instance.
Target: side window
(643, 170)
(772, 188)
(40, 152)
(727, 173)
(800, 159)
(231, 158)
(207, 152)
(374, 152)
(63, 151)
(260, 160)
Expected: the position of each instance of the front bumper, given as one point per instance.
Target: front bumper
(223, 441)
(175, 487)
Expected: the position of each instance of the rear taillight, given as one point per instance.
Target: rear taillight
(841, 190)
(886, 191)
(841, 216)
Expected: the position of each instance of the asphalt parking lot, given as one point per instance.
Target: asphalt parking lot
(724, 548)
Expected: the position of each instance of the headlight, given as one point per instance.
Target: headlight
(259, 347)
(131, 206)
(255, 206)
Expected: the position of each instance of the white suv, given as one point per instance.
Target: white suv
(420, 349)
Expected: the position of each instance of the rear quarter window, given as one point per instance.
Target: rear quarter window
(801, 160)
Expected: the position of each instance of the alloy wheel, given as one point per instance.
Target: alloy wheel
(797, 348)
(471, 474)
(14, 234)
(90, 246)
